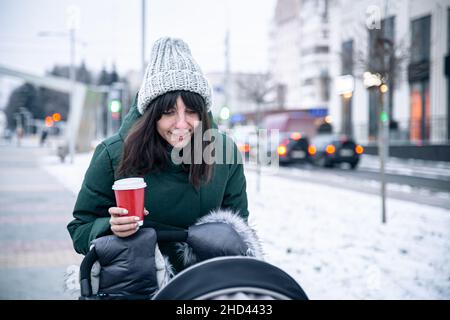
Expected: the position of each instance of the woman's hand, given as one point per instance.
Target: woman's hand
(123, 226)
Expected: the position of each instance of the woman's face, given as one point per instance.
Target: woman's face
(177, 124)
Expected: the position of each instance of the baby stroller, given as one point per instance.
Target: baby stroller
(236, 278)
(222, 258)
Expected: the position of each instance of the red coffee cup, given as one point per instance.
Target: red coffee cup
(130, 195)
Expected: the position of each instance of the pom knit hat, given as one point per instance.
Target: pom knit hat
(171, 68)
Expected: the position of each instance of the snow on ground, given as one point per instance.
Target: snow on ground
(69, 175)
(332, 241)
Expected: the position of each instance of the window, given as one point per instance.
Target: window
(347, 57)
(448, 30)
(419, 127)
(315, 50)
(420, 39)
(379, 40)
(308, 81)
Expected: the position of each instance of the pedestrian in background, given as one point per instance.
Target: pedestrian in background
(44, 135)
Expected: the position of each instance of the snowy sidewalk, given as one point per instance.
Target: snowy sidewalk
(408, 167)
(332, 241)
(35, 247)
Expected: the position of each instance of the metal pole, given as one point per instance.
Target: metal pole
(227, 73)
(72, 135)
(143, 37)
(382, 155)
(382, 138)
(258, 149)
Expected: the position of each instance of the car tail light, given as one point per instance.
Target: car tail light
(244, 148)
(281, 150)
(330, 149)
(296, 136)
(359, 149)
(312, 150)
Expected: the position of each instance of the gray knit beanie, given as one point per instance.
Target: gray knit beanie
(171, 68)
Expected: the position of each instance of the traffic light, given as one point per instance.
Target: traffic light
(115, 106)
(384, 116)
(115, 103)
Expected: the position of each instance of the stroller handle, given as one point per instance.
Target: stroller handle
(85, 273)
(91, 257)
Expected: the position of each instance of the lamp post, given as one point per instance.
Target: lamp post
(72, 24)
(375, 81)
(143, 35)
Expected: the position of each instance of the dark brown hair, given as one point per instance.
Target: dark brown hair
(145, 151)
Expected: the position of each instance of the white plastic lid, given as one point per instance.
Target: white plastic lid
(129, 184)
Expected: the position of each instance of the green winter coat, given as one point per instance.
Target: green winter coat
(169, 197)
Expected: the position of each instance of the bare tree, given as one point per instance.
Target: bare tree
(257, 88)
(383, 59)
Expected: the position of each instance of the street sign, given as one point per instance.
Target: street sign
(345, 84)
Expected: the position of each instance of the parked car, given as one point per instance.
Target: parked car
(326, 150)
(292, 147)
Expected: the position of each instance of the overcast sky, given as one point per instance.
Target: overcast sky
(111, 31)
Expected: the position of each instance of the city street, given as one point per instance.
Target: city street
(321, 226)
(35, 247)
(432, 190)
(340, 110)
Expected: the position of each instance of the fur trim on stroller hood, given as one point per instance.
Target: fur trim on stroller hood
(247, 233)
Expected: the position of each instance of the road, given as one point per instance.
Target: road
(431, 190)
(434, 184)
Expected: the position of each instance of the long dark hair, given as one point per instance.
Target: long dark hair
(145, 151)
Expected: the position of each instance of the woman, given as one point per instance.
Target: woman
(172, 104)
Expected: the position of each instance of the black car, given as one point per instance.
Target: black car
(326, 150)
(291, 147)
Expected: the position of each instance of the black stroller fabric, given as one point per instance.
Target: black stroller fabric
(127, 267)
(225, 276)
(132, 267)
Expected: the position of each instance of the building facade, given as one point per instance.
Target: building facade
(299, 54)
(417, 102)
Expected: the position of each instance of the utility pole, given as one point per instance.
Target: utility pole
(143, 34)
(383, 120)
(382, 145)
(73, 22)
(227, 72)
(72, 92)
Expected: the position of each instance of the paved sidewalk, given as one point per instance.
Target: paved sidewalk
(35, 247)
